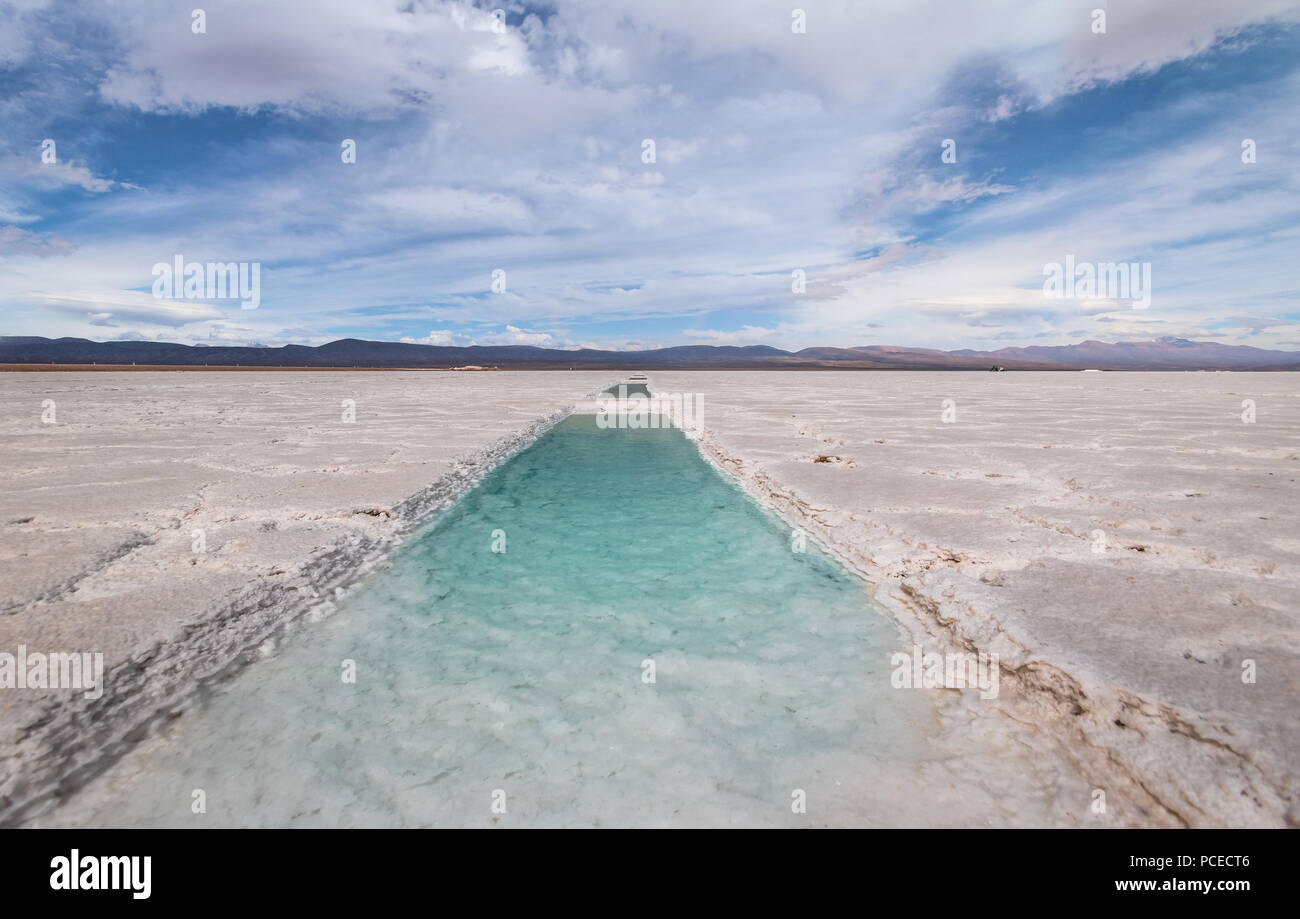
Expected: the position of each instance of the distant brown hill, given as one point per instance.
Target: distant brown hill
(1162, 354)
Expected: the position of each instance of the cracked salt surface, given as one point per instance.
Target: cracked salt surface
(523, 672)
(1126, 663)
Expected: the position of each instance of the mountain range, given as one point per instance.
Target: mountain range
(1161, 354)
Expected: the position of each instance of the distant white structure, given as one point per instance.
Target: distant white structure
(635, 385)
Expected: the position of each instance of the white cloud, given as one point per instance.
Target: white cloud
(435, 337)
(516, 336)
(1002, 110)
(522, 150)
(52, 175)
(14, 216)
(449, 208)
(110, 307)
(16, 240)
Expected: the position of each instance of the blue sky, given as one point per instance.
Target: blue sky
(520, 149)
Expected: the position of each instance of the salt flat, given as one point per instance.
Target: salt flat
(1123, 542)
(100, 514)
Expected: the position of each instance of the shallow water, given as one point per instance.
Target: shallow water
(519, 677)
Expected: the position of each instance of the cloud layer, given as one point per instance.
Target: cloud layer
(637, 174)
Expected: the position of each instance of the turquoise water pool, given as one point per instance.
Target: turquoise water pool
(512, 687)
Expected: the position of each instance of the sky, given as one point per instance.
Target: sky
(513, 145)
